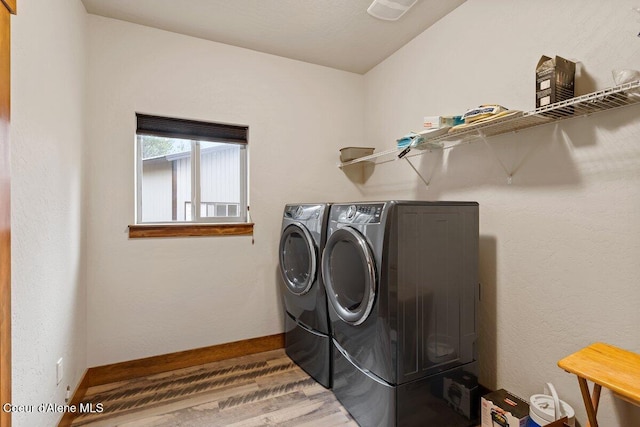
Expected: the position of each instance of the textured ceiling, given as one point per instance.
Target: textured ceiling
(334, 33)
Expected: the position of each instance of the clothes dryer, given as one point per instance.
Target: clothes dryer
(402, 285)
(307, 338)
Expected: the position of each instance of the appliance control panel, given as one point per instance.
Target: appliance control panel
(303, 212)
(369, 213)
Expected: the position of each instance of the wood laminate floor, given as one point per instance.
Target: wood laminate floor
(265, 389)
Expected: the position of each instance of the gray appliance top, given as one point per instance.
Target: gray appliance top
(374, 212)
(303, 212)
(360, 213)
(313, 217)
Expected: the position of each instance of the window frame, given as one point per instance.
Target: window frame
(195, 132)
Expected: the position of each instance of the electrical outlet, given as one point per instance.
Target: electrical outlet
(59, 371)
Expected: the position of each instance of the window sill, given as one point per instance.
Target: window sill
(189, 230)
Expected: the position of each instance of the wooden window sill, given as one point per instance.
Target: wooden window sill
(189, 230)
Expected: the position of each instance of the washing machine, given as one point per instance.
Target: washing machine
(402, 284)
(307, 337)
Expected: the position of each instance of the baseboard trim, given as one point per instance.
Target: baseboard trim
(77, 397)
(121, 371)
(183, 359)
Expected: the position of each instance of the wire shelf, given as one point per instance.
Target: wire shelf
(603, 100)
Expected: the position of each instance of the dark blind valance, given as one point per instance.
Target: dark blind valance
(190, 129)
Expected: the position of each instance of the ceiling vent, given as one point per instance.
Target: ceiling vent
(389, 10)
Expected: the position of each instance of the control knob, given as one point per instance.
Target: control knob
(351, 211)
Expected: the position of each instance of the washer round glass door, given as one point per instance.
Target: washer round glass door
(298, 259)
(348, 270)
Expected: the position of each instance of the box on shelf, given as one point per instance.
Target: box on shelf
(351, 153)
(503, 409)
(437, 122)
(555, 80)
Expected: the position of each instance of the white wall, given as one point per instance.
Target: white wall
(560, 245)
(156, 296)
(47, 123)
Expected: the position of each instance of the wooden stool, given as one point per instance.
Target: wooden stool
(605, 366)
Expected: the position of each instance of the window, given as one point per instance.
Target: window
(184, 163)
(208, 209)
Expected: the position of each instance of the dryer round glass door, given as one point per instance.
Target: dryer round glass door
(298, 259)
(348, 270)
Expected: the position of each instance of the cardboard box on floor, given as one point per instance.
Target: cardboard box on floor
(503, 409)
